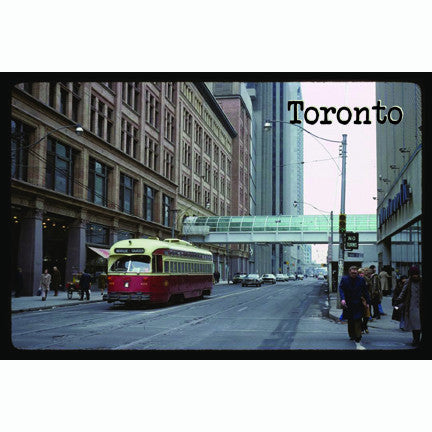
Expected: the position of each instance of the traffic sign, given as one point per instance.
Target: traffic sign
(351, 240)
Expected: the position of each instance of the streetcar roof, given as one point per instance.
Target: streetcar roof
(148, 246)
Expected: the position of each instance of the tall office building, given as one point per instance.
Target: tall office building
(279, 171)
(399, 167)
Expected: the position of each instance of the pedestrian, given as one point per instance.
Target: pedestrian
(399, 312)
(216, 276)
(384, 280)
(352, 288)
(393, 279)
(410, 297)
(102, 282)
(19, 282)
(45, 284)
(366, 309)
(56, 280)
(85, 284)
(375, 292)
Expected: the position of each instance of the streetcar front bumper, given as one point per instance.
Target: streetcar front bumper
(126, 297)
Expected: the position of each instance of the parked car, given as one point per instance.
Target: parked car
(252, 279)
(286, 277)
(320, 277)
(238, 277)
(300, 277)
(280, 277)
(271, 278)
(291, 277)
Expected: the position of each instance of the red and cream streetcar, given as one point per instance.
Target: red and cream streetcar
(142, 270)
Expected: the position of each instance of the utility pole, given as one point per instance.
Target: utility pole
(342, 216)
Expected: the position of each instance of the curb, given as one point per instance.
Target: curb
(45, 307)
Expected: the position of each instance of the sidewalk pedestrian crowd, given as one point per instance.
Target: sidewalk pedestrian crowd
(361, 293)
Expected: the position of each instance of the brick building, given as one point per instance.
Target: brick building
(133, 172)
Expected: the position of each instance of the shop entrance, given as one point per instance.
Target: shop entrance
(55, 240)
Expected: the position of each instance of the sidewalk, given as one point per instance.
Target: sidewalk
(385, 323)
(31, 303)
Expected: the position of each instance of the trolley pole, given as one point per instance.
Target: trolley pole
(342, 212)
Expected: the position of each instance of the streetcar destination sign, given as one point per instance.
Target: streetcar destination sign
(128, 250)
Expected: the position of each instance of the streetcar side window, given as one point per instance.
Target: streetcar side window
(166, 267)
(157, 264)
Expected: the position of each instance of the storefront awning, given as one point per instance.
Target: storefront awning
(104, 253)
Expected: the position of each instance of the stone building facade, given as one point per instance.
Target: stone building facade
(73, 196)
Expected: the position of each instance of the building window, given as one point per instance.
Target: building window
(98, 183)
(151, 152)
(126, 194)
(197, 193)
(97, 234)
(207, 172)
(152, 110)
(101, 119)
(59, 167)
(168, 165)
(197, 163)
(20, 141)
(198, 134)
(187, 121)
(216, 179)
(129, 138)
(187, 154)
(169, 131)
(186, 186)
(170, 91)
(148, 203)
(207, 144)
(131, 94)
(65, 98)
(166, 210)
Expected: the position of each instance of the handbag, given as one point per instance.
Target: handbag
(366, 309)
(39, 291)
(397, 313)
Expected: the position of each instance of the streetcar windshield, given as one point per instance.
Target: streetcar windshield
(132, 264)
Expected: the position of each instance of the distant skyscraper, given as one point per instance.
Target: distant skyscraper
(279, 168)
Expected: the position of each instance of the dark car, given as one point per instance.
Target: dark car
(238, 277)
(252, 279)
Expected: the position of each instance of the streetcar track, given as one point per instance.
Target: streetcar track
(123, 321)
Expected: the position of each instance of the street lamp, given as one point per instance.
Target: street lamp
(268, 126)
(78, 130)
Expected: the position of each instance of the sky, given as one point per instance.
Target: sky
(322, 180)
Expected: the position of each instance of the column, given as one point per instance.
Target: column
(30, 251)
(76, 248)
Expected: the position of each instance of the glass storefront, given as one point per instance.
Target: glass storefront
(406, 248)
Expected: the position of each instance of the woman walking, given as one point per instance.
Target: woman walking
(45, 284)
(410, 298)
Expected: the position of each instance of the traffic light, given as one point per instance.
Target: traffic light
(342, 222)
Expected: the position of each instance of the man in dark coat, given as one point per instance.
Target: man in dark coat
(352, 288)
(85, 283)
(56, 280)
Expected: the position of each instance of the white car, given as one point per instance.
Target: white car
(300, 277)
(320, 277)
(280, 277)
(291, 277)
(269, 278)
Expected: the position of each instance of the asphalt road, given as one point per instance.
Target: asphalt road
(284, 316)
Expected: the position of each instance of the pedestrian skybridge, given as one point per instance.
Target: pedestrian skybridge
(276, 229)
